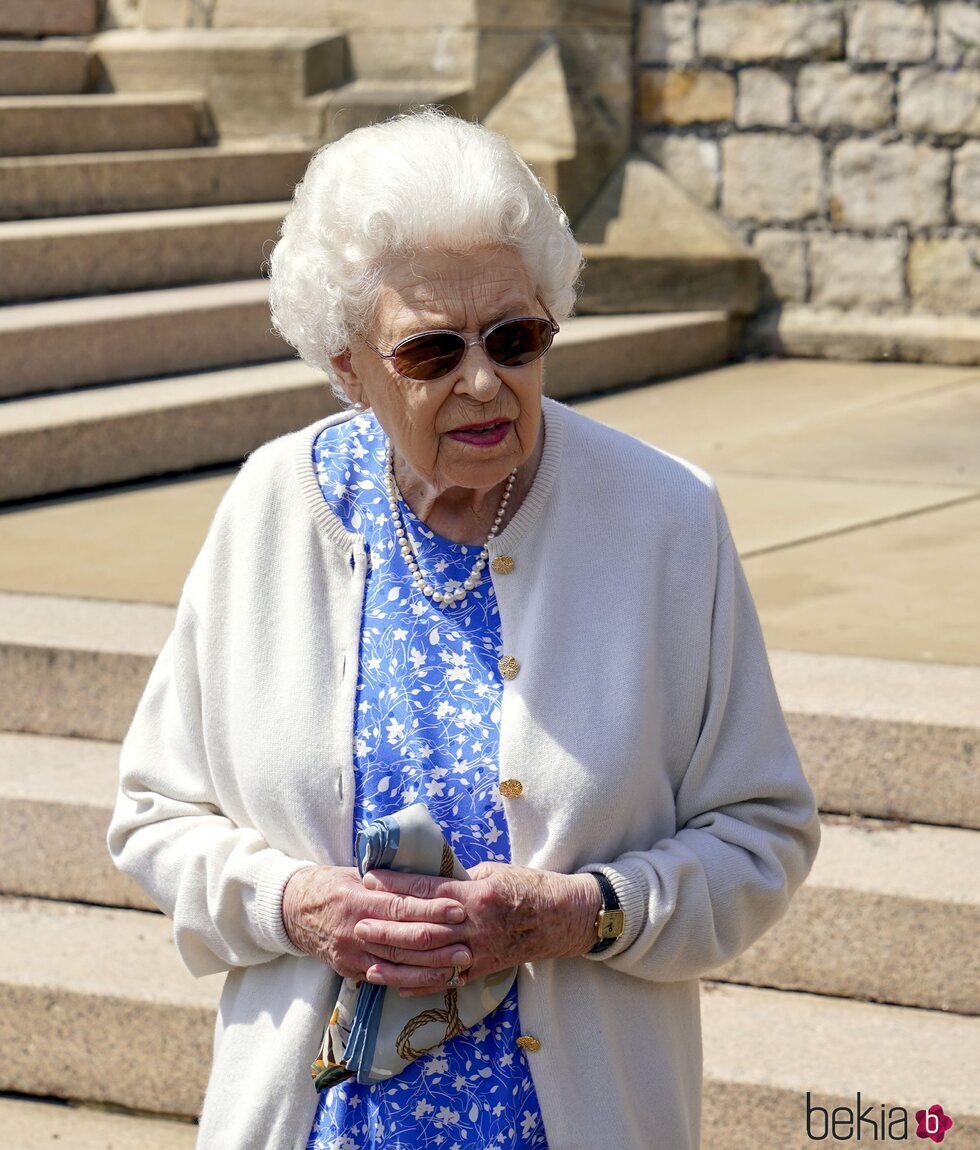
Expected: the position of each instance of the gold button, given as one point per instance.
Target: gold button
(508, 667)
(502, 565)
(528, 1042)
(511, 788)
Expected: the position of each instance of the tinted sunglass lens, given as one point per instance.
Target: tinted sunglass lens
(429, 356)
(519, 341)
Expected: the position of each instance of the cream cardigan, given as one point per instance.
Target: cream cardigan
(643, 724)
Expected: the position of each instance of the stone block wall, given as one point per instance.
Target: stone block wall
(839, 138)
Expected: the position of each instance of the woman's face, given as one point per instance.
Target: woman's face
(465, 294)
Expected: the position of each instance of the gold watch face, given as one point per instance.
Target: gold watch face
(610, 924)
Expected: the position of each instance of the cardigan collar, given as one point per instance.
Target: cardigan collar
(349, 543)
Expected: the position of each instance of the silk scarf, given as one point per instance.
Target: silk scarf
(372, 1035)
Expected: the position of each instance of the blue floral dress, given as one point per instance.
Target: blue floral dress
(427, 727)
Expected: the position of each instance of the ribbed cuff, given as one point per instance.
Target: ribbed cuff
(269, 926)
(631, 890)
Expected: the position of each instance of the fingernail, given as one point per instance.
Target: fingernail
(370, 881)
(461, 958)
(374, 976)
(456, 914)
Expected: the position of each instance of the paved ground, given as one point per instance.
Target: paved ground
(853, 491)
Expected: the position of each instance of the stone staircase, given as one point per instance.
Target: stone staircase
(876, 958)
(134, 224)
(135, 342)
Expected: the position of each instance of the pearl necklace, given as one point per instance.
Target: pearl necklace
(440, 598)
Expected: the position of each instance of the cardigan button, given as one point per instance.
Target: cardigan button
(529, 1043)
(511, 788)
(508, 667)
(502, 565)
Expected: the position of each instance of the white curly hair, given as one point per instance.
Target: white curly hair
(423, 181)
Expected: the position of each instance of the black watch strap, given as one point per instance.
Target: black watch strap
(612, 921)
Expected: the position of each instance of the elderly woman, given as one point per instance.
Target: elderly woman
(460, 593)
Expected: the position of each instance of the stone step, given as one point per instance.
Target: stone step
(883, 737)
(48, 17)
(764, 1050)
(877, 889)
(255, 80)
(612, 281)
(43, 67)
(830, 333)
(130, 251)
(60, 344)
(366, 101)
(106, 435)
(32, 1124)
(76, 666)
(874, 889)
(36, 187)
(82, 989)
(167, 425)
(594, 354)
(57, 790)
(56, 125)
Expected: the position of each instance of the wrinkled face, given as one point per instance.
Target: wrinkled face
(467, 294)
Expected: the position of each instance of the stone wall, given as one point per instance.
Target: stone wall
(840, 140)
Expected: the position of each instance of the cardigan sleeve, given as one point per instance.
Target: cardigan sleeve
(221, 884)
(748, 829)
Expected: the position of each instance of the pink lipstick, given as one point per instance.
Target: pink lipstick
(482, 434)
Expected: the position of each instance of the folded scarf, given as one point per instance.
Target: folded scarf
(373, 1035)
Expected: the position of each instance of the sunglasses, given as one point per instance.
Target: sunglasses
(431, 355)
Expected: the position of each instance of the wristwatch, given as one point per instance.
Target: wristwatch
(610, 921)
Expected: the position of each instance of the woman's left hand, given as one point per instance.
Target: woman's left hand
(513, 915)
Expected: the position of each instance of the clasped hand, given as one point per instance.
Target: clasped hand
(409, 930)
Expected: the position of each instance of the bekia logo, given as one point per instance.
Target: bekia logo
(873, 1124)
(933, 1123)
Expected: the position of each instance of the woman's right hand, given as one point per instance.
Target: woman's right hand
(322, 906)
